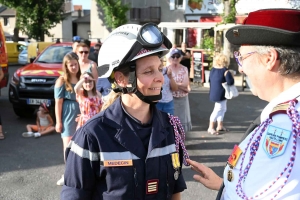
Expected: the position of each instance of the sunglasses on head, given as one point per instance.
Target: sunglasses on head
(81, 52)
(177, 56)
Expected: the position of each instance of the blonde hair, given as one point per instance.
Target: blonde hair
(221, 60)
(112, 96)
(66, 77)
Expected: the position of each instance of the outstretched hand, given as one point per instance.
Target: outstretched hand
(205, 175)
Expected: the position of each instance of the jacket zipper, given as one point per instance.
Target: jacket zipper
(168, 192)
(135, 181)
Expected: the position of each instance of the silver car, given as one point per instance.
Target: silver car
(22, 60)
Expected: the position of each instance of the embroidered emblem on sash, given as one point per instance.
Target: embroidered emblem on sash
(276, 140)
(152, 186)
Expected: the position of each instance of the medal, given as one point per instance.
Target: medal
(176, 164)
(176, 175)
(230, 175)
(232, 160)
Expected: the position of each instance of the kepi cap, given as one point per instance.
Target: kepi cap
(273, 27)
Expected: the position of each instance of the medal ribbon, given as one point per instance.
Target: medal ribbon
(179, 137)
(294, 116)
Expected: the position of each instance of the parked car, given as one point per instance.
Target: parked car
(35, 48)
(22, 60)
(34, 83)
(13, 51)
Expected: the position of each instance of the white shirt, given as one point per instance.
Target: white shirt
(264, 170)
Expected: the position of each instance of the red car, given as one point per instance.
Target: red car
(34, 83)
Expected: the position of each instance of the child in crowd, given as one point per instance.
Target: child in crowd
(66, 106)
(166, 103)
(44, 123)
(89, 99)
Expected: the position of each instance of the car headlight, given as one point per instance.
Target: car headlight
(16, 78)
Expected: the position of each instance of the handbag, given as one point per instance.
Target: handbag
(230, 91)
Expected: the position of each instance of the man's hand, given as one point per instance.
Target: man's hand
(206, 175)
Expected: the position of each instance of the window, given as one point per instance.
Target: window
(179, 4)
(5, 21)
(178, 37)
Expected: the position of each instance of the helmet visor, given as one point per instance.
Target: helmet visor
(151, 34)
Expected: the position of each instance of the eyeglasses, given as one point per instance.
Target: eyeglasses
(239, 58)
(96, 49)
(81, 52)
(175, 57)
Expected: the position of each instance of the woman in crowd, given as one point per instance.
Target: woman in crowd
(126, 151)
(89, 99)
(181, 98)
(218, 75)
(85, 64)
(66, 106)
(166, 104)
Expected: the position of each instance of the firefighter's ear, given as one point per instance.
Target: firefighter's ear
(120, 79)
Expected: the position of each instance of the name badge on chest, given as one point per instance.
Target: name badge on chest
(276, 140)
(117, 163)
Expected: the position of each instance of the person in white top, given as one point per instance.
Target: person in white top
(265, 165)
(44, 123)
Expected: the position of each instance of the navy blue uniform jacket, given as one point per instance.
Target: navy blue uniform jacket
(108, 136)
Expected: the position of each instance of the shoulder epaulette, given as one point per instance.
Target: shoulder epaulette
(280, 108)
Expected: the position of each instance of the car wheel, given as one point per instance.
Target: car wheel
(23, 112)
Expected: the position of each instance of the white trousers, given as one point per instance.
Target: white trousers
(219, 111)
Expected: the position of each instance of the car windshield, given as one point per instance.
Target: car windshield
(54, 54)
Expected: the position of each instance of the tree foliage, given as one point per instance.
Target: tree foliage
(114, 12)
(36, 17)
(230, 17)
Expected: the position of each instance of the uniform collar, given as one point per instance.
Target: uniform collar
(289, 94)
(125, 134)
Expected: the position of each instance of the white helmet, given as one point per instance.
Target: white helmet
(130, 42)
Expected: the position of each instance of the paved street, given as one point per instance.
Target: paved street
(29, 168)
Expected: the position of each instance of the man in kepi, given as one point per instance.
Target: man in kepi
(265, 165)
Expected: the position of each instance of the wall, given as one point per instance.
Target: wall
(82, 29)
(168, 15)
(11, 25)
(67, 25)
(98, 27)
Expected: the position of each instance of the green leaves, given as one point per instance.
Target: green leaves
(230, 18)
(114, 12)
(36, 17)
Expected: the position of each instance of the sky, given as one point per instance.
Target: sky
(86, 4)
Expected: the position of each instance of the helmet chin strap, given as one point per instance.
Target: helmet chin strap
(132, 88)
